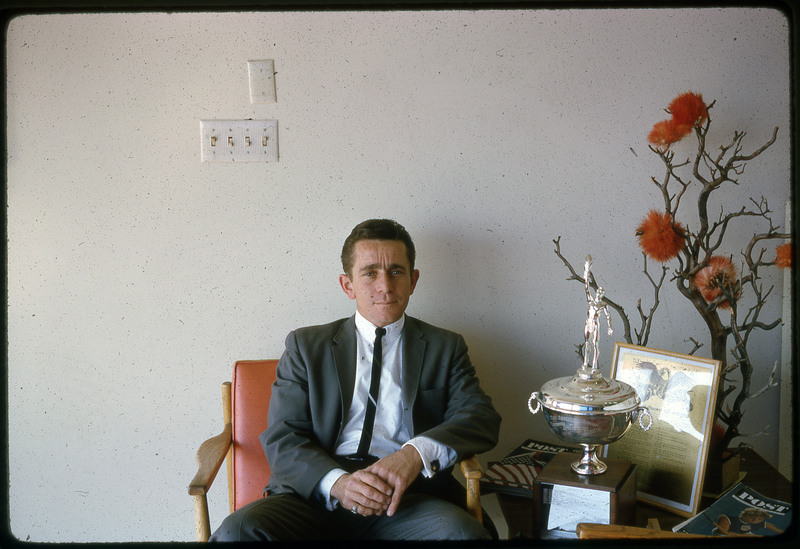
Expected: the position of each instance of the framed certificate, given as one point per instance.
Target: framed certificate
(680, 393)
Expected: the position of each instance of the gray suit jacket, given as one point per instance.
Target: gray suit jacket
(314, 388)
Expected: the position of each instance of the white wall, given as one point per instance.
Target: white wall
(137, 274)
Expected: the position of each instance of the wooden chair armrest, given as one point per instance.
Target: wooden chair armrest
(472, 471)
(210, 456)
(471, 468)
(587, 530)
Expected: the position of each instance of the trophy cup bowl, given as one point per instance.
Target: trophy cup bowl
(589, 410)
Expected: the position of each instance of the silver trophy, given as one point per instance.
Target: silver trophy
(587, 408)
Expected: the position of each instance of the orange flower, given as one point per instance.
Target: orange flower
(667, 132)
(717, 275)
(688, 109)
(657, 238)
(783, 257)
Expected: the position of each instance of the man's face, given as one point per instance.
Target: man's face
(381, 281)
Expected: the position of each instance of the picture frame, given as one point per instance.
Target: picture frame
(680, 393)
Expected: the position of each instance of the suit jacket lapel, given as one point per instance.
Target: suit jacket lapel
(414, 343)
(344, 357)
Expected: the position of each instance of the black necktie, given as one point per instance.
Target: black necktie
(374, 384)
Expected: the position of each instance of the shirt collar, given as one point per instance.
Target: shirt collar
(367, 328)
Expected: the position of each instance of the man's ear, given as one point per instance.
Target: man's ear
(414, 279)
(347, 286)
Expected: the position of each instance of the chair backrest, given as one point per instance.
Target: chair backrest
(251, 388)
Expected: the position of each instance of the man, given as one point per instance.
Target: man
(352, 457)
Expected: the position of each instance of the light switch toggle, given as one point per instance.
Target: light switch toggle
(240, 136)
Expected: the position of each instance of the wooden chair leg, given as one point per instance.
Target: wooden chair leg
(474, 499)
(202, 523)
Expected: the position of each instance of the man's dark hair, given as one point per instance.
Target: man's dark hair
(376, 229)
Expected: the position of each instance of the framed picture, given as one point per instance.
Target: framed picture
(679, 392)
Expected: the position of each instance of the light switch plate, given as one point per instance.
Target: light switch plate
(262, 81)
(238, 140)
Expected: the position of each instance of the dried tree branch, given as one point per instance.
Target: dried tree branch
(728, 315)
(697, 346)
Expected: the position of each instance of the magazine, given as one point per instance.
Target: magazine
(740, 512)
(515, 473)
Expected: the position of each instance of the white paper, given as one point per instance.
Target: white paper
(570, 505)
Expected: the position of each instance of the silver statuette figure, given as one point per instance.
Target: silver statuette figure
(596, 306)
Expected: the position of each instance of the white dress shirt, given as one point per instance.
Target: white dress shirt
(390, 433)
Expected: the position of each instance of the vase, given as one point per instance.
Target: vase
(721, 472)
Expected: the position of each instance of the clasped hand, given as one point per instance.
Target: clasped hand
(379, 487)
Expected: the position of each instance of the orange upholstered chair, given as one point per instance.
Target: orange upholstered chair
(245, 400)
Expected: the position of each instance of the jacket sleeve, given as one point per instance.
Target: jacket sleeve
(298, 459)
(453, 409)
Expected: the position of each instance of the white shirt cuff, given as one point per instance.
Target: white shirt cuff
(325, 486)
(435, 455)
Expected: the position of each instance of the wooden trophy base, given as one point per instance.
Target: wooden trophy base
(612, 493)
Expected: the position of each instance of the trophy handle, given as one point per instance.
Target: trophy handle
(641, 412)
(534, 396)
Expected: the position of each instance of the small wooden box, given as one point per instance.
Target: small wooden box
(619, 480)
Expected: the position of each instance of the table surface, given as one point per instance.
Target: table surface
(760, 476)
